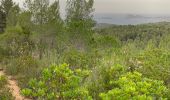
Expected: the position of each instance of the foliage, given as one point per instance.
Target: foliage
(155, 64)
(39, 10)
(6, 5)
(21, 65)
(58, 82)
(5, 94)
(79, 22)
(17, 41)
(3, 54)
(3, 81)
(105, 41)
(54, 14)
(134, 86)
(4, 91)
(143, 32)
(76, 59)
(36, 36)
(99, 80)
(12, 17)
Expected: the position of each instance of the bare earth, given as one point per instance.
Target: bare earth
(13, 86)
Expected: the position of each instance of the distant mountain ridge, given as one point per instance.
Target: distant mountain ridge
(133, 19)
(105, 25)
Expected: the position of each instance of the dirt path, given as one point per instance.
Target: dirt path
(1, 72)
(13, 86)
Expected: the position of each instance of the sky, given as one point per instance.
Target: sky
(126, 6)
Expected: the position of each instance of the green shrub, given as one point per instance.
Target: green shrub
(4, 91)
(99, 80)
(58, 82)
(3, 54)
(134, 86)
(25, 65)
(16, 41)
(3, 81)
(76, 59)
(105, 42)
(155, 64)
(23, 69)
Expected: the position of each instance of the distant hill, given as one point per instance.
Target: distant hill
(133, 19)
(103, 25)
(131, 16)
(106, 25)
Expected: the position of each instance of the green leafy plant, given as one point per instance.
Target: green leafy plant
(134, 86)
(155, 64)
(76, 59)
(99, 80)
(58, 82)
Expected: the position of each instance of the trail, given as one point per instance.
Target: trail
(13, 86)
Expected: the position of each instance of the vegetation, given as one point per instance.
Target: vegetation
(133, 86)
(4, 91)
(54, 58)
(58, 82)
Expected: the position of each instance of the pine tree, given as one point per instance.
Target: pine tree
(39, 9)
(79, 20)
(5, 9)
(54, 12)
(12, 17)
(46, 18)
(79, 13)
(6, 5)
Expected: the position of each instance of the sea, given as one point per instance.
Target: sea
(130, 19)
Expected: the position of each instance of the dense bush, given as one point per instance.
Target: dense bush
(58, 82)
(104, 42)
(143, 32)
(76, 59)
(99, 80)
(155, 63)
(24, 68)
(16, 40)
(134, 86)
(22, 65)
(37, 36)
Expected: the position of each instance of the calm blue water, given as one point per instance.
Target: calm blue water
(125, 19)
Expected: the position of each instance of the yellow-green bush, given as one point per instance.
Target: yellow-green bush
(58, 82)
(155, 64)
(135, 87)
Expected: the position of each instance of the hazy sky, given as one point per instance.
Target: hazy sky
(128, 6)
(133, 6)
